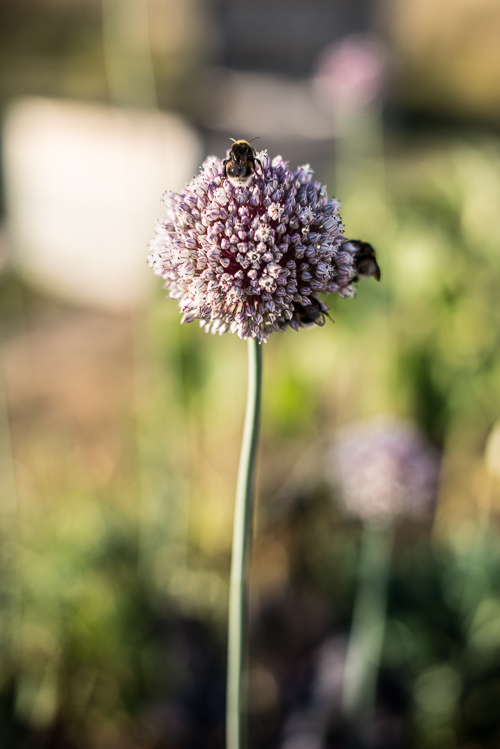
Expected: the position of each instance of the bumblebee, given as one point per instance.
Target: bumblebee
(240, 166)
(307, 315)
(365, 259)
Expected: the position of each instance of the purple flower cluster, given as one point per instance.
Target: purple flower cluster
(384, 468)
(245, 259)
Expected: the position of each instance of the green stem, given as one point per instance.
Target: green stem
(368, 624)
(242, 537)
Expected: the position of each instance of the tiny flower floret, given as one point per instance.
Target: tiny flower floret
(241, 258)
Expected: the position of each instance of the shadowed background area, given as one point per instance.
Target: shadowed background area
(375, 617)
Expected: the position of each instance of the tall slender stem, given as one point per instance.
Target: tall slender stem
(242, 537)
(368, 624)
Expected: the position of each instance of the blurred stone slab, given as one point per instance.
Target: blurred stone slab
(83, 188)
(250, 104)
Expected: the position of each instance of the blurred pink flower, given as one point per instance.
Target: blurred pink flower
(384, 468)
(352, 72)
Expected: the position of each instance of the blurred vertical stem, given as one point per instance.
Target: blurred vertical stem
(11, 587)
(242, 538)
(368, 623)
(127, 53)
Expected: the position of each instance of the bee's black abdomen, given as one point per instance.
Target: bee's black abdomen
(365, 259)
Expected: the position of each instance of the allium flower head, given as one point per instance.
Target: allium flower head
(247, 259)
(384, 468)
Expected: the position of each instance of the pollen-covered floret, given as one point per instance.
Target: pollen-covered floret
(240, 259)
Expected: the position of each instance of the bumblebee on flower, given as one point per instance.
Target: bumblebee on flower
(244, 256)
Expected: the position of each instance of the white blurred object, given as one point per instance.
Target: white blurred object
(83, 187)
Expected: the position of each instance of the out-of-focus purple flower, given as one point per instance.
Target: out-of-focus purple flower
(352, 72)
(384, 468)
(248, 259)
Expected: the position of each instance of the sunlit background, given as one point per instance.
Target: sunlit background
(120, 429)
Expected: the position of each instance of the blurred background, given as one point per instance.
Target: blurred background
(375, 618)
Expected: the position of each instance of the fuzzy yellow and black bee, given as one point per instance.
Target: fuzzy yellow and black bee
(239, 168)
(365, 259)
(307, 315)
